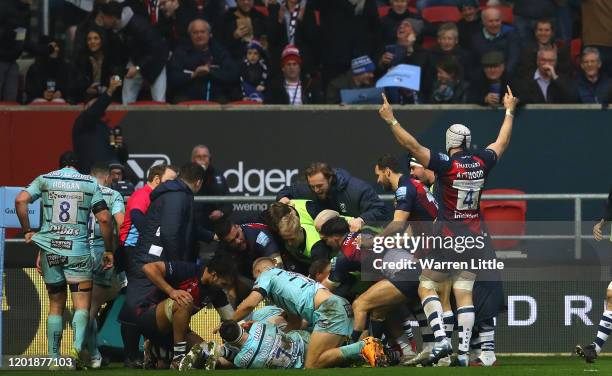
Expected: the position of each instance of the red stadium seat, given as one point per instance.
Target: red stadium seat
(441, 14)
(504, 217)
(262, 9)
(194, 103)
(507, 16)
(576, 50)
(429, 42)
(49, 104)
(149, 103)
(247, 102)
(9, 104)
(317, 17)
(383, 10)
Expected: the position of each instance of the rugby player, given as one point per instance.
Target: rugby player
(172, 292)
(591, 351)
(103, 279)
(462, 176)
(330, 316)
(64, 257)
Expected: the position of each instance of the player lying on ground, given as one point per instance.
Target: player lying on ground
(330, 316)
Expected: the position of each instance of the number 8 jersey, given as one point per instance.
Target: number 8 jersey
(460, 180)
(67, 198)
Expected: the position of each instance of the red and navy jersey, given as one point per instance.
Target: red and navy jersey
(184, 276)
(413, 196)
(461, 178)
(348, 259)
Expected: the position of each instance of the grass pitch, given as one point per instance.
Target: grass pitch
(520, 366)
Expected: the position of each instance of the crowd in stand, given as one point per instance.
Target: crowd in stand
(306, 51)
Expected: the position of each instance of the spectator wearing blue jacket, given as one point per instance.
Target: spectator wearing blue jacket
(496, 37)
(593, 84)
(203, 70)
(337, 190)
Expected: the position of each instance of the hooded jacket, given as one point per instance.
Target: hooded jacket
(349, 196)
(169, 233)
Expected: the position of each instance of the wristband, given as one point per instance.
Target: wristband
(393, 122)
(510, 113)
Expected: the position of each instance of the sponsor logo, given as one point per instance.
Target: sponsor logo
(342, 207)
(262, 239)
(61, 244)
(64, 230)
(55, 260)
(443, 157)
(140, 164)
(53, 195)
(257, 181)
(400, 194)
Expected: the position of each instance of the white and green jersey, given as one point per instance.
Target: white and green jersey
(269, 347)
(67, 198)
(115, 204)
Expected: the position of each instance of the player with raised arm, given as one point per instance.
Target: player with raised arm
(64, 257)
(461, 175)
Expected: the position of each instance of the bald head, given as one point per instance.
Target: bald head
(491, 20)
(199, 32)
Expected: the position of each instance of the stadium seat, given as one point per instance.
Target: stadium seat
(439, 14)
(507, 16)
(194, 103)
(9, 104)
(504, 217)
(383, 10)
(49, 104)
(317, 17)
(575, 51)
(149, 103)
(262, 9)
(238, 103)
(429, 42)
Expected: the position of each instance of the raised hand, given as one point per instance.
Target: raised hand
(385, 111)
(510, 101)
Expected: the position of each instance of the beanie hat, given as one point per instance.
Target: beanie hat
(362, 64)
(291, 53)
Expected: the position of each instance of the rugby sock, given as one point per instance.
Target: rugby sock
(352, 351)
(180, 348)
(433, 311)
(377, 328)
(605, 327)
(355, 336)
(406, 340)
(407, 326)
(131, 340)
(486, 330)
(449, 323)
(426, 333)
(465, 321)
(54, 334)
(92, 338)
(80, 320)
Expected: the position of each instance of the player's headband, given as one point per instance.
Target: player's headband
(414, 163)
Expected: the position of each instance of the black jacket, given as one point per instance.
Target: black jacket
(350, 196)
(174, 29)
(13, 15)
(214, 185)
(507, 42)
(90, 137)
(311, 91)
(144, 47)
(42, 72)
(224, 71)
(561, 90)
(237, 47)
(170, 231)
(480, 87)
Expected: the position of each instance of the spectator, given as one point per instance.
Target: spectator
(361, 75)
(593, 84)
(398, 12)
(488, 87)
(175, 20)
(240, 26)
(170, 232)
(496, 37)
(292, 87)
(449, 86)
(526, 13)
(448, 45)
(336, 189)
(470, 22)
(47, 78)
(597, 30)
(147, 52)
(204, 70)
(214, 184)
(14, 26)
(544, 36)
(91, 135)
(254, 73)
(95, 20)
(406, 51)
(545, 86)
(94, 67)
(349, 28)
(293, 22)
(73, 13)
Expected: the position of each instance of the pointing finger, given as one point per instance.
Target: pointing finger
(509, 90)
(384, 98)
